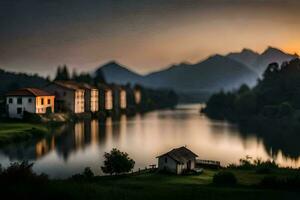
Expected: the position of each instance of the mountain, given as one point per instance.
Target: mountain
(203, 78)
(215, 73)
(272, 55)
(246, 56)
(259, 62)
(116, 73)
(12, 81)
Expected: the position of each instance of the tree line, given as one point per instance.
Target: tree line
(270, 109)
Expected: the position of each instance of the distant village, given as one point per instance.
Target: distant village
(83, 95)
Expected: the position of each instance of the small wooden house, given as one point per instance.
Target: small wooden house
(31, 100)
(177, 160)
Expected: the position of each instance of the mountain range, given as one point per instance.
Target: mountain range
(217, 72)
(190, 81)
(259, 62)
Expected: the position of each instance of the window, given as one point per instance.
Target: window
(19, 101)
(166, 159)
(10, 100)
(30, 100)
(19, 111)
(42, 101)
(49, 101)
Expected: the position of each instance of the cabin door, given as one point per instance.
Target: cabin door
(189, 165)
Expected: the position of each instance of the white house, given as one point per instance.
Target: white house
(32, 100)
(68, 95)
(177, 160)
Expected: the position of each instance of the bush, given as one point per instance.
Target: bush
(265, 167)
(87, 174)
(225, 179)
(21, 172)
(31, 117)
(117, 162)
(258, 165)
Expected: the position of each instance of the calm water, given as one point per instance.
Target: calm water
(143, 137)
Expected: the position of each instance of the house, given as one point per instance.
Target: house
(119, 97)
(68, 95)
(123, 98)
(177, 160)
(130, 99)
(31, 100)
(91, 98)
(137, 96)
(105, 97)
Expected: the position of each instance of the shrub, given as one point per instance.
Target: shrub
(265, 167)
(117, 162)
(225, 179)
(21, 172)
(87, 174)
(31, 117)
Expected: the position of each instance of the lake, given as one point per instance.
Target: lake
(73, 147)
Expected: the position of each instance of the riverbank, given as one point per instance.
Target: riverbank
(17, 131)
(151, 185)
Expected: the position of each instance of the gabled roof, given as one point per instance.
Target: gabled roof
(29, 92)
(68, 84)
(86, 86)
(181, 154)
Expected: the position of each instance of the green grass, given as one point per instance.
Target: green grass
(15, 132)
(149, 186)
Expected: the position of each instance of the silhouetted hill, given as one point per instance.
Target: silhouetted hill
(11, 81)
(215, 73)
(246, 56)
(259, 62)
(116, 73)
(193, 81)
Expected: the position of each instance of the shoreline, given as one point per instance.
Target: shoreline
(11, 132)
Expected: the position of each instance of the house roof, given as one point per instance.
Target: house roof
(28, 92)
(86, 86)
(181, 154)
(69, 85)
(103, 86)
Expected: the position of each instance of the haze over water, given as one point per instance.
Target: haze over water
(72, 148)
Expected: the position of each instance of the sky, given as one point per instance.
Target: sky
(146, 35)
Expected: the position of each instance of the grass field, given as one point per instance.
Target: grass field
(149, 186)
(13, 132)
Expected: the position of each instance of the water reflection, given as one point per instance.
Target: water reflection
(72, 147)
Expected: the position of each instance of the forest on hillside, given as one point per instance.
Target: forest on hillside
(271, 109)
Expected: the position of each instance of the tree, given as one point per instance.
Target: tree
(84, 78)
(117, 162)
(62, 73)
(99, 78)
